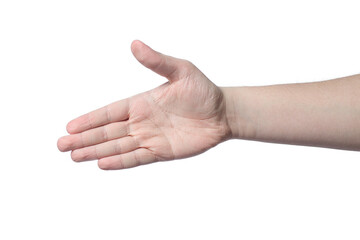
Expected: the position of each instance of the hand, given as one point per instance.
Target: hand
(181, 118)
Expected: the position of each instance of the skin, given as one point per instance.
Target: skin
(181, 118)
(189, 115)
(320, 114)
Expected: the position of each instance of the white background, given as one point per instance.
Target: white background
(60, 59)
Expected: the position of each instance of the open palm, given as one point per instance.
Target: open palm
(181, 118)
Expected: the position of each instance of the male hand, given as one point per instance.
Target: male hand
(181, 118)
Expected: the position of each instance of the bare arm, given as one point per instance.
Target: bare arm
(189, 114)
(324, 114)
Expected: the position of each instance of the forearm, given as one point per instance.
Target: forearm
(325, 114)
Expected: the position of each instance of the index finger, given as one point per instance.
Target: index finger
(114, 112)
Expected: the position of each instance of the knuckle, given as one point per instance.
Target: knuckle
(187, 68)
(187, 65)
(136, 158)
(104, 133)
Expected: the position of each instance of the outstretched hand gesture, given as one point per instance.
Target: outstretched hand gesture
(181, 118)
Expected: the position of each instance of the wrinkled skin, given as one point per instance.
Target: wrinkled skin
(179, 119)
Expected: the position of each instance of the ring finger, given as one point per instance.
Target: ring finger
(94, 136)
(106, 149)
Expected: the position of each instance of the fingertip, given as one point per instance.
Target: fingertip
(103, 164)
(108, 164)
(157, 62)
(137, 49)
(62, 144)
(135, 44)
(70, 128)
(76, 156)
(74, 126)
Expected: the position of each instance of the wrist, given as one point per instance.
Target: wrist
(237, 113)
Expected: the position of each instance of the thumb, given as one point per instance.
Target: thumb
(163, 65)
